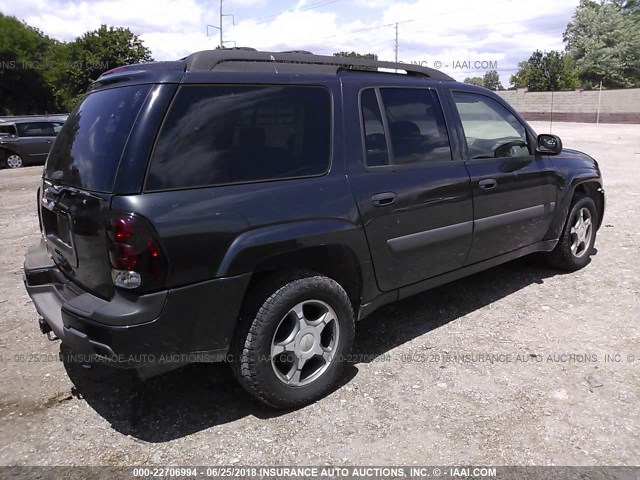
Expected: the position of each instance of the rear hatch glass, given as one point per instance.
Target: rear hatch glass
(79, 180)
(87, 151)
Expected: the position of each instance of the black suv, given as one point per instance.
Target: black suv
(248, 207)
(27, 141)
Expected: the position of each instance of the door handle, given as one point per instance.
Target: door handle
(487, 184)
(383, 199)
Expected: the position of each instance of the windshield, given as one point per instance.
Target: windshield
(87, 151)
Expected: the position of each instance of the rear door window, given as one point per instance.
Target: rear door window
(218, 135)
(87, 151)
(375, 140)
(417, 127)
(36, 129)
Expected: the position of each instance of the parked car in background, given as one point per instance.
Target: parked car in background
(27, 140)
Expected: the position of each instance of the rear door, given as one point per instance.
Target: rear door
(35, 140)
(514, 190)
(414, 200)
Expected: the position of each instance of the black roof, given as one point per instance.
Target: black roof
(246, 59)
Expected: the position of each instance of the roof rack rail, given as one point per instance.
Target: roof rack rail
(208, 59)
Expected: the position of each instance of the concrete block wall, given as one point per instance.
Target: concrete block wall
(616, 106)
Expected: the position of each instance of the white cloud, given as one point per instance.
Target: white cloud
(506, 31)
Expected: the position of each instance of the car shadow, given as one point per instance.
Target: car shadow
(427, 311)
(201, 396)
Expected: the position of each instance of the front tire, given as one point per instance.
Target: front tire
(574, 248)
(292, 349)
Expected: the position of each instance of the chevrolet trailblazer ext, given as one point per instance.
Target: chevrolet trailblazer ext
(250, 206)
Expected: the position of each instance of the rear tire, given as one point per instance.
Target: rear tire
(13, 160)
(294, 335)
(574, 248)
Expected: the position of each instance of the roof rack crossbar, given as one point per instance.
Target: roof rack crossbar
(208, 59)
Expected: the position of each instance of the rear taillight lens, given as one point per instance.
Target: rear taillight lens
(134, 253)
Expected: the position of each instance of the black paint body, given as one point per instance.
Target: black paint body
(440, 225)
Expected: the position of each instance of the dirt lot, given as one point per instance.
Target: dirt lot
(553, 397)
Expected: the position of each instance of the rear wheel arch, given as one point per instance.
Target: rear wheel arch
(337, 262)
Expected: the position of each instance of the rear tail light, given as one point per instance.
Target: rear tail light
(134, 253)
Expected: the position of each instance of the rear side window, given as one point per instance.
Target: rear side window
(374, 138)
(36, 129)
(87, 151)
(416, 125)
(217, 135)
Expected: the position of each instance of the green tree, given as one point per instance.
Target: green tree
(364, 56)
(604, 39)
(23, 89)
(474, 81)
(79, 63)
(569, 79)
(546, 71)
(491, 80)
(627, 6)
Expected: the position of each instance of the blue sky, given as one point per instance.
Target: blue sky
(462, 38)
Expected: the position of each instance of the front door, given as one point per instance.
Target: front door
(514, 190)
(413, 199)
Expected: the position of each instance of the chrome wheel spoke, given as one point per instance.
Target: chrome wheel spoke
(323, 321)
(327, 356)
(296, 370)
(304, 342)
(282, 347)
(581, 233)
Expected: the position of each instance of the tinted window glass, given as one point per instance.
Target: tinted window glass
(36, 129)
(87, 150)
(217, 135)
(57, 126)
(490, 129)
(416, 125)
(374, 137)
(7, 130)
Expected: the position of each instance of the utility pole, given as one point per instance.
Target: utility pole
(599, 99)
(396, 42)
(222, 15)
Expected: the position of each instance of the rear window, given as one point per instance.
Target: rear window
(217, 135)
(88, 148)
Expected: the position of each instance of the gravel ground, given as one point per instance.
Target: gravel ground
(551, 397)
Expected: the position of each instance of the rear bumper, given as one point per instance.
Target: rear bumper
(182, 325)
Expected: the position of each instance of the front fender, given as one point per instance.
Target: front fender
(572, 181)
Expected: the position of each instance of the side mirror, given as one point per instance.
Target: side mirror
(549, 144)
